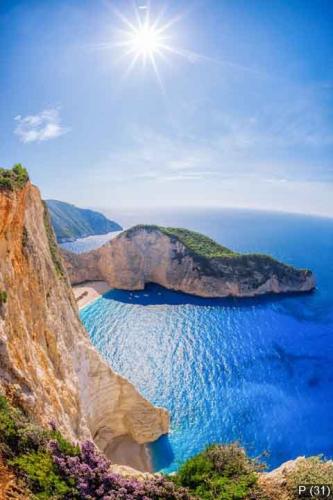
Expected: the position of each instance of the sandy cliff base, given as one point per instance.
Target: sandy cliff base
(87, 292)
(125, 451)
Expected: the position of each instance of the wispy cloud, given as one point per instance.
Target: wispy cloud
(282, 124)
(243, 166)
(43, 126)
(243, 151)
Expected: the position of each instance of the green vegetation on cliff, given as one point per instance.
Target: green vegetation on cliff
(70, 222)
(3, 297)
(225, 472)
(23, 445)
(221, 472)
(14, 178)
(199, 244)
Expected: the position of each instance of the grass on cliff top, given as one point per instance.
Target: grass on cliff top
(196, 242)
(14, 178)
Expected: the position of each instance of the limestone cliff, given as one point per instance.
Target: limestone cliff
(186, 261)
(46, 358)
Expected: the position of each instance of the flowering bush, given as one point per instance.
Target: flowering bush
(90, 472)
(52, 467)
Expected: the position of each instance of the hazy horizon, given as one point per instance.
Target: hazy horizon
(126, 209)
(109, 211)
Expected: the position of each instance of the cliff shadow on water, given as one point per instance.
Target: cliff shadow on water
(161, 453)
(157, 295)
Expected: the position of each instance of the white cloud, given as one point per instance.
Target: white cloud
(43, 126)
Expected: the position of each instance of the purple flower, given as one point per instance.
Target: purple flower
(90, 471)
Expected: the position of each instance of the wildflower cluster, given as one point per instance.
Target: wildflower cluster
(52, 467)
(90, 473)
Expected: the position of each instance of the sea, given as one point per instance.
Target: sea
(257, 371)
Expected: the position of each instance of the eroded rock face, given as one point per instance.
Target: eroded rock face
(147, 255)
(46, 357)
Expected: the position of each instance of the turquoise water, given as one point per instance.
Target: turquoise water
(254, 370)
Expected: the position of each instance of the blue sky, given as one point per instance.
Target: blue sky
(243, 116)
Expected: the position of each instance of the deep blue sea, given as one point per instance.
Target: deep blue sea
(259, 371)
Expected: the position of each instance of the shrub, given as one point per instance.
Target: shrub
(220, 472)
(3, 297)
(17, 433)
(42, 476)
(30, 437)
(14, 178)
(8, 428)
(21, 175)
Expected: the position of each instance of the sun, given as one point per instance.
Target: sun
(145, 41)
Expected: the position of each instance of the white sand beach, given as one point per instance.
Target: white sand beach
(87, 292)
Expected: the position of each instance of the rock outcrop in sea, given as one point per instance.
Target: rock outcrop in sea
(185, 261)
(47, 363)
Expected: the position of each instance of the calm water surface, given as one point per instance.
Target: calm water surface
(254, 370)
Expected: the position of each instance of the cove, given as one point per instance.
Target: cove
(254, 370)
